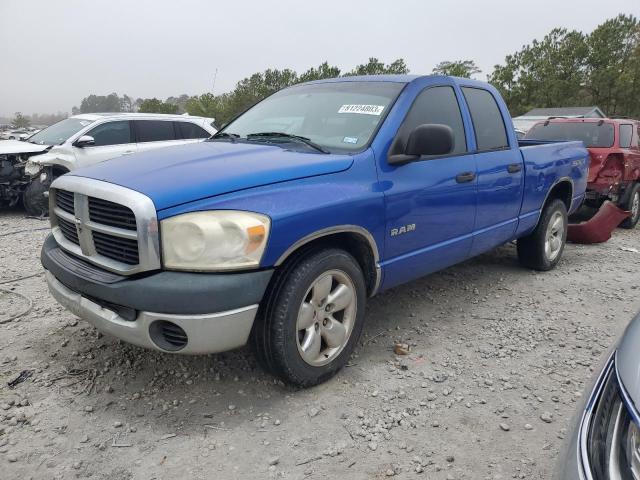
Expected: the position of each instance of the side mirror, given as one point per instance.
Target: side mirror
(84, 141)
(425, 140)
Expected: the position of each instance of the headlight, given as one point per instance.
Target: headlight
(612, 436)
(214, 241)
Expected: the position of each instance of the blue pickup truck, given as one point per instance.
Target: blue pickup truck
(277, 229)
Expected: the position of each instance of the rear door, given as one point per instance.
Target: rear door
(151, 134)
(500, 173)
(430, 204)
(112, 139)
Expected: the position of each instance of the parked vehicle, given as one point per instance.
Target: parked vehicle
(279, 227)
(614, 148)
(16, 134)
(27, 168)
(605, 440)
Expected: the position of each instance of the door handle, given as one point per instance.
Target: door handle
(129, 152)
(514, 168)
(465, 177)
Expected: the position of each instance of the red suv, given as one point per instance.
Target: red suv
(614, 147)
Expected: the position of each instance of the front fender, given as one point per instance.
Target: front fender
(36, 163)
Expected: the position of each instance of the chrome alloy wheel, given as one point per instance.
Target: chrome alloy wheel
(554, 237)
(326, 318)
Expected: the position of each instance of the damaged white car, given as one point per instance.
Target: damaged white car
(27, 168)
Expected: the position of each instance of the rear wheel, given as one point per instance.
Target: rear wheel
(632, 204)
(542, 249)
(312, 318)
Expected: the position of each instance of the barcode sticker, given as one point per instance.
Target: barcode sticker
(362, 109)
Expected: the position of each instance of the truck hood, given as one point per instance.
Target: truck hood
(176, 175)
(628, 360)
(10, 147)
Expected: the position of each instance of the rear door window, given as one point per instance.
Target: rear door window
(626, 132)
(188, 130)
(111, 133)
(488, 123)
(154, 131)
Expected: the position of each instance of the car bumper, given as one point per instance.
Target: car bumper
(572, 463)
(167, 311)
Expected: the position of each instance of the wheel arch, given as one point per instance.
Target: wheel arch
(562, 189)
(356, 240)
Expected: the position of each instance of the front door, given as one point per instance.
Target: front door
(112, 139)
(431, 203)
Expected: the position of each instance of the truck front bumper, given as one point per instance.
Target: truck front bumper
(172, 312)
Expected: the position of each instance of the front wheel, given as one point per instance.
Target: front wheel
(633, 205)
(312, 318)
(34, 200)
(542, 249)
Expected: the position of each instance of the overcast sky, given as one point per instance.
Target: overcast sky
(54, 53)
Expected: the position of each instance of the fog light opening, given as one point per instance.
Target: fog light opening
(168, 336)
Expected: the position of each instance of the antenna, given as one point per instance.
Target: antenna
(215, 76)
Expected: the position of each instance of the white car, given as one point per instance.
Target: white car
(16, 134)
(28, 167)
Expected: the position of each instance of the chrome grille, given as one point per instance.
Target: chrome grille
(69, 231)
(105, 224)
(121, 249)
(112, 214)
(64, 200)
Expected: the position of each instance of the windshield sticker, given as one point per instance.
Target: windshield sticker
(349, 140)
(362, 109)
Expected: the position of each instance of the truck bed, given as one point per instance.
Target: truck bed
(545, 164)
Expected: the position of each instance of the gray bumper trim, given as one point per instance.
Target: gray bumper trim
(207, 333)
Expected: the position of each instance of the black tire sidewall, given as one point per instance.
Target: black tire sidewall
(286, 356)
(632, 221)
(531, 248)
(33, 198)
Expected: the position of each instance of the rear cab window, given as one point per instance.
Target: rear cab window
(488, 123)
(154, 130)
(592, 134)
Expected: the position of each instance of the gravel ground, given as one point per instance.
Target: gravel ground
(498, 357)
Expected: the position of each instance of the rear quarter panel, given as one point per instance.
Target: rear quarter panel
(545, 166)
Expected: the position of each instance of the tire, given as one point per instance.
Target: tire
(632, 204)
(542, 249)
(300, 335)
(33, 199)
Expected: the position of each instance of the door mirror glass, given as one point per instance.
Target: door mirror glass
(426, 140)
(84, 141)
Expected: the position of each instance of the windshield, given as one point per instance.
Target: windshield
(592, 134)
(339, 116)
(59, 132)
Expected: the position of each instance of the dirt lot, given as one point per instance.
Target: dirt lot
(499, 356)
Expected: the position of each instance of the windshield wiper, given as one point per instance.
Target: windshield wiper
(289, 136)
(232, 136)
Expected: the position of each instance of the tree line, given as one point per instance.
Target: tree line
(565, 68)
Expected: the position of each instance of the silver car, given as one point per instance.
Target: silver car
(605, 443)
